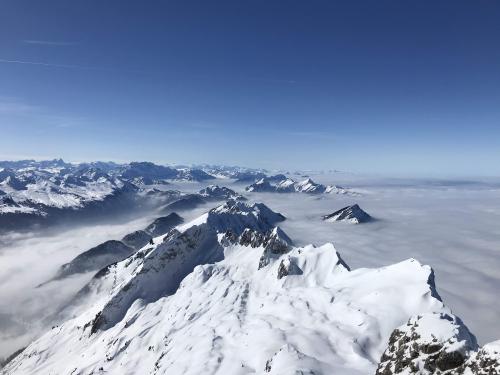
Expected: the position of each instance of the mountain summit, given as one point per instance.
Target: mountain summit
(229, 293)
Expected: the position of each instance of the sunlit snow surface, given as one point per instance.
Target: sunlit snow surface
(229, 315)
(454, 228)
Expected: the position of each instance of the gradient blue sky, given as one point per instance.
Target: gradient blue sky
(392, 87)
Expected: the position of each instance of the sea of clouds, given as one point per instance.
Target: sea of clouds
(450, 225)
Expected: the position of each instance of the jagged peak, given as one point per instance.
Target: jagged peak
(428, 343)
(353, 214)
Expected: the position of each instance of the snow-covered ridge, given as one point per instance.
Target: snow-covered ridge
(229, 293)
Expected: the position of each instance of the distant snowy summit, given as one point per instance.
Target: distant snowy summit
(352, 214)
(34, 193)
(229, 293)
(215, 192)
(238, 174)
(283, 184)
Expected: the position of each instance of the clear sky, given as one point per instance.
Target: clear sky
(395, 87)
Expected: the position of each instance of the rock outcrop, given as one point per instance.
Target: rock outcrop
(352, 214)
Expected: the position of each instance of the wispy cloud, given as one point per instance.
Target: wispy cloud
(49, 43)
(67, 66)
(12, 106)
(25, 62)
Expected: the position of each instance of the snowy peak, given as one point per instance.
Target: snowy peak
(275, 243)
(352, 214)
(238, 216)
(157, 270)
(188, 174)
(283, 184)
(261, 186)
(215, 192)
(229, 293)
(427, 344)
(192, 305)
(309, 186)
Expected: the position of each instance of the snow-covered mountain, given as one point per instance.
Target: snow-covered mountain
(239, 174)
(215, 192)
(190, 174)
(352, 214)
(34, 193)
(282, 184)
(229, 293)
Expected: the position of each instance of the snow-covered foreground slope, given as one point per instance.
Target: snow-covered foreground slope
(228, 293)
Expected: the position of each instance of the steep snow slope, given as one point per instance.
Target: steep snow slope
(202, 301)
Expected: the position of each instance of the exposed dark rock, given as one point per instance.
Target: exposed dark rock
(148, 170)
(485, 362)
(6, 361)
(414, 350)
(136, 239)
(288, 267)
(187, 202)
(353, 214)
(163, 224)
(96, 258)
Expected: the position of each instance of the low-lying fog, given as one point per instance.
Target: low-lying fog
(452, 226)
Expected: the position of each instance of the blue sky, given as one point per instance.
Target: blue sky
(390, 87)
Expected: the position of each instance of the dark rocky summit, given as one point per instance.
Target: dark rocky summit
(352, 214)
(439, 344)
(163, 224)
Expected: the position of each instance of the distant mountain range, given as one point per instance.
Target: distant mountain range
(41, 192)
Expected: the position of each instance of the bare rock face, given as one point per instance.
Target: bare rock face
(353, 214)
(95, 258)
(163, 224)
(275, 245)
(434, 343)
(185, 202)
(485, 362)
(275, 242)
(288, 267)
(136, 239)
